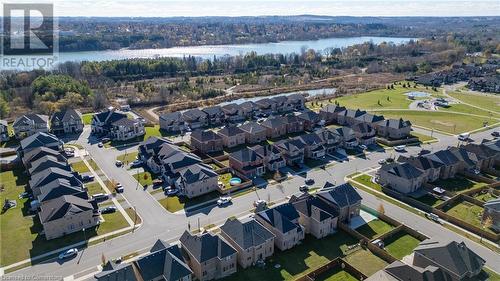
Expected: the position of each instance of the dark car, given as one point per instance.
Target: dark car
(424, 152)
(108, 210)
(495, 134)
(304, 188)
(87, 178)
(309, 181)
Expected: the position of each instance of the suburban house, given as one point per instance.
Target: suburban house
(344, 199)
(125, 129)
(209, 256)
(4, 131)
(58, 188)
(313, 145)
(206, 141)
(317, 217)
(398, 270)
(402, 177)
(283, 221)
(350, 117)
(67, 121)
(113, 271)
(163, 262)
(215, 115)
(370, 119)
(293, 124)
(310, 119)
(275, 127)
(150, 147)
(172, 122)
(330, 138)
(266, 106)
(101, 122)
(468, 160)
(249, 108)
(456, 260)
(37, 153)
(330, 113)
(493, 145)
(272, 158)
(247, 162)
(293, 151)
(485, 154)
(172, 165)
(48, 161)
(232, 136)
(196, 180)
(252, 241)
(431, 169)
(159, 158)
(254, 132)
(349, 140)
(365, 133)
(393, 128)
(451, 164)
(38, 140)
(48, 175)
(492, 210)
(233, 113)
(281, 103)
(295, 102)
(30, 124)
(195, 118)
(67, 214)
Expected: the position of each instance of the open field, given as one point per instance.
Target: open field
(444, 121)
(401, 244)
(20, 231)
(470, 110)
(486, 101)
(374, 228)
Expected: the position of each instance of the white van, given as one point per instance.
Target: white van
(464, 137)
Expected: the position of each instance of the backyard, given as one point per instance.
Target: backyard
(374, 228)
(467, 212)
(336, 275)
(430, 200)
(400, 244)
(458, 184)
(225, 178)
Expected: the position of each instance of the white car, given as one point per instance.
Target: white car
(363, 147)
(172, 191)
(118, 163)
(400, 148)
(136, 163)
(68, 254)
(382, 161)
(260, 202)
(224, 200)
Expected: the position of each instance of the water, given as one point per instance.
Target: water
(209, 51)
(311, 93)
(417, 94)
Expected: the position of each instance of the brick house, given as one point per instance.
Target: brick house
(247, 162)
(402, 177)
(318, 218)
(232, 136)
(172, 122)
(343, 198)
(254, 132)
(275, 127)
(206, 141)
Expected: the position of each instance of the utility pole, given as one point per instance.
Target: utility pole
(135, 218)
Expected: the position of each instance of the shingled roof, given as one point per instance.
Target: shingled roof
(402, 170)
(246, 233)
(66, 205)
(281, 217)
(341, 195)
(206, 246)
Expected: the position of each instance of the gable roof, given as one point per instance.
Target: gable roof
(48, 161)
(309, 116)
(290, 145)
(363, 128)
(245, 155)
(230, 131)
(249, 106)
(443, 156)
(281, 217)
(29, 119)
(195, 173)
(117, 272)
(66, 115)
(345, 132)
(332, 108)
(172, 117)
(231, 109)
(341, 195)
(465, 156)
(395, 123)
(313, 207)
(38, 140)
(354, 113)
(246, 233)
(164, 261)
(450, 255)
(205, 135)
(206, 246)
(402, 170)
(48, 175)
(66, 205)
(252, 127)
(310, 139)
(274, 122)
(421, 162)
(108, 117)
(40, 152)
(58, 188)
(404, 271)
(193, 114)
(213, 110)
(181, 160)
(370, 118)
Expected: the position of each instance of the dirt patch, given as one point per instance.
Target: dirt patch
(443, 123)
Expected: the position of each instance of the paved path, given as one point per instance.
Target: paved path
(158, 223)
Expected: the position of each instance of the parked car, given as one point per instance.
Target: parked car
(157, 182)
(87, 178)
(108, 210)
(104, 140)
(304, 188)
(496, 134)
(309, 181)
(223, 200)
(100, 196)
(171, 191)
(71, 253)
(424, 152)
(118, 163)
(433, 217)
(136, 163)
(464, 137)
(260, 203)
(400, 148)
(363, 147)
(382, 161)
(100, 144)
(25, 195)
(119, 188)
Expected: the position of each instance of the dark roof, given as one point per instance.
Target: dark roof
(125, 122)
(332, 108)
(265, 150)
(310, 139)
(152, 143)
(421, 162)
(40, 152)
(492, 144)
(249, 105)
(354, 113)
(213, 110)
(230, 131)
(181, 160)
(345, 132)
(49, 175)
(245, 155)
(109, 116)
(370, 118)
(66, 115)
(246, 233)
(309, 116)
(363, 128)
(395, 123)
(29, 119)
(291, 144)
(295, 97)
(341, 195)
(117, 272)
(48, 161)
(231, 108)
(481, 151)
(193, 114)
(290, 118)
(195, 173)
(206, 246)
(171, 117)
(451, 255)
(39, 139)
(205, 135)
(163, 261)
(66, 205)
(402, 170)
(252, 127)
(314, 207)
(281, 217)
(403, 271)
(58, 188)
(265, 103)
(467, 157)
(274, 122)
(444, 156)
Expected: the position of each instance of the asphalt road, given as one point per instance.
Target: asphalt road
(160, 224)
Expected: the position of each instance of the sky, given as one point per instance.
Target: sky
(174, 8)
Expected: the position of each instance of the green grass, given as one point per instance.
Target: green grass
(444, 121)
(485, 197)
(366, 262)
(94, 188)
(112, 222)
(299, 260)
(467, 212)
(401, 244)
(172, 204)
(80, 167)
(149, 132)
(367, 180)
(87, 118)
(128, 157)
(144, 178)
(429, 200)
(93, 165)
(225, 178)
(493, 275)
(458, 184)
(486, 101)
(423, 137)
(337, 274)
(374, 228)
(469, 109)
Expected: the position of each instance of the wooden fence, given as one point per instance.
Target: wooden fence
(334, 264)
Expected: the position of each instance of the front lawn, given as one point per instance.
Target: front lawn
(458, 184)
(374, 228)
(175, 203)
(87, 118)
(94, 188)
(128, 157)
(80, 167)
(144, 178)
(367, 180)
(400, 244)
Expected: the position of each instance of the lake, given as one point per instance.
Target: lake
(209, 51)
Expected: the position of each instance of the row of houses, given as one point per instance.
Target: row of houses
(68, 121)
(244, 242)
(393, 129)
(186, 171)
(116, 125)
(59, 196)
(409, 173)
(231, 113)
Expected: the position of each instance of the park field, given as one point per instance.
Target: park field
(486, 101)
